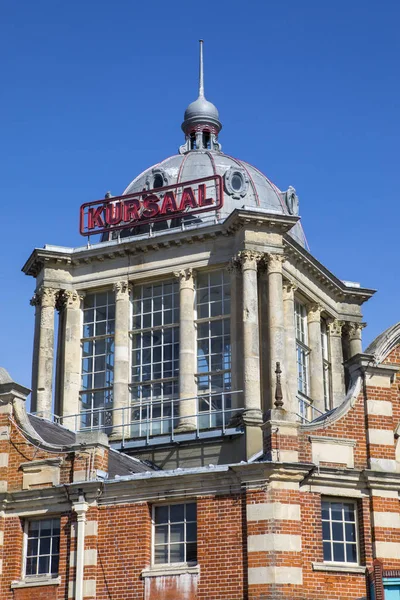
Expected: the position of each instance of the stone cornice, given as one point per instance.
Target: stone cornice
(64, 257)
(307, 262)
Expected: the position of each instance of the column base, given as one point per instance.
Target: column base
(186, 424)
(251, 417)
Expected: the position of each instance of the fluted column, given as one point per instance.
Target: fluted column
(42, 393)
(71, 355)
(315, 359)
(276, 324)
(121, 416)
(336, 358)
(187, 352)
(355, 343)
(251, 338)
(290, 346)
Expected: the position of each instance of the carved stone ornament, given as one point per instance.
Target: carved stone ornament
(335, 327)
(184, 275)
(236, 182)
(289, 289)
(47, 297)
(275, 262)
(292, 201)
(313, 312)
(121, 288)
(248, 259)
(354, 329)
(35, 300)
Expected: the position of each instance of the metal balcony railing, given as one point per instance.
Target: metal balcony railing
(155, 421)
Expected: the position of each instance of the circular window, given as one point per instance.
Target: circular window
(236, 182)
(156, 178)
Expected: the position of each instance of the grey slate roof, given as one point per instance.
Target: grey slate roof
(119, 465)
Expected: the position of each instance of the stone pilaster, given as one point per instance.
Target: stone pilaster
(276, 324)
(236, 332)
(315, 360)
(187, 352)
(42, 377)
(336, 357)
(121, 402)
(354, 333)
(290, 346)
(71, 355)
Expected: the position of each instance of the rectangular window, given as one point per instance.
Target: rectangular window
(339, 531)
(213, 348)
(155, 357)
(175, 533)
(97, 358)
(326, 365)
(42, 547)
(302, 357)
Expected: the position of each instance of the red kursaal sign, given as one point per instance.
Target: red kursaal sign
(149, 206)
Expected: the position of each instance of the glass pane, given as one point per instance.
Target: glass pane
(349, 512)
(44, 564)
(177, 533)
(191, 511)
(161, 514)
(45, 527)
(54, 564)
(337, 531)
(350, 530)
(161, 554)
(33, 528)
(191, 552)
(177, 512)
(32, 546)
(351, 550)
(326, 533)
(45, 545)
(177, 553)
(31, 565)
(191, 532)
(56, 526)
(327, 551)
(336, 508)
(161, 534)
(338, 552)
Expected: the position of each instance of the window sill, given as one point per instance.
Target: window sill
(163, 570)
(36, 581)
(339, 568)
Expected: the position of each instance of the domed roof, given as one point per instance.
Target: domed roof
(201, 111)
(244, 185)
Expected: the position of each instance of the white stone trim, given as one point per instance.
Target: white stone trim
(273, 511)
(387, 549)
(322, 439)
(3, 459)
(284, 485)
(343, 568)
(3, 486)
(1, 538)
(382, 408)
(333, 491)
(277, 575)
(385, 493)
(381, 437)
(36, 581)
(290, 456)
(388, 520)
(166, 570)
(4, 432)
(278, 542)
(385, 464)
(90, 529)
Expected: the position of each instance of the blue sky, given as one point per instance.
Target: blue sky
(93, 92)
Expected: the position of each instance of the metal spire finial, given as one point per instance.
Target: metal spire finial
(201, 70)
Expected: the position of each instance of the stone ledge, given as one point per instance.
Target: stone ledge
(338, 568)
(36, 581)
(165, 570)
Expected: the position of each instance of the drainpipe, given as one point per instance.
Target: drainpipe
(80, 508)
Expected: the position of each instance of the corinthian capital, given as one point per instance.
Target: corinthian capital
(248, 259)
(354, 329)
(70, 299)
(335, 327)
(121, 289)
(47, 297)
(184, 274)
(35, 300)
(313, 312)
(289, 289)
(275, 262)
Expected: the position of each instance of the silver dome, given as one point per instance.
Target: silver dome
(258, 191)
(201, 111)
